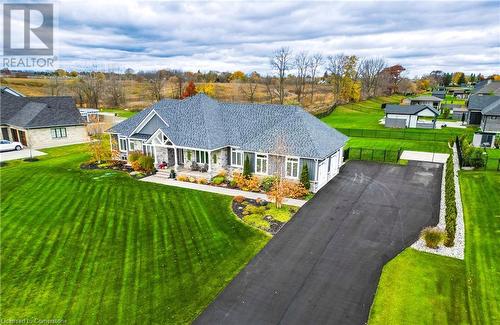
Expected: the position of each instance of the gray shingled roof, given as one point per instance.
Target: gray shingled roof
(38, 112)
(428, 98)
(408, 109)
(202, 122)
(493, 109)
(489, 88)
(479, 102)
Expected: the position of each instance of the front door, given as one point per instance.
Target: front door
(171, 157)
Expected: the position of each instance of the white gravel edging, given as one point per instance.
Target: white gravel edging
(457, 251)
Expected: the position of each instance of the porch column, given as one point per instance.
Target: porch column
(175, 158)
(209, 161)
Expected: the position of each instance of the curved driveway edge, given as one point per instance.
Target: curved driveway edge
(323, 267)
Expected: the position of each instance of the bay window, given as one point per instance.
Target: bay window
(261, 164)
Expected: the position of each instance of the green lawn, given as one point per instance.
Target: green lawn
(119, 112)
(421, 288)
(395, 144)
(362, 115)
(100, 247)
(481, 196)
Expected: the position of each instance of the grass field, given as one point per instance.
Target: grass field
(420, 288)
(120, 112)
(100, 247)
(395, 144)
(362, 115)
(481, 196)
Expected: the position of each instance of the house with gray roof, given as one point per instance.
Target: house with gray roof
(410, 116)
(40, 122)
(431, 101)
(202, 132)
(490, 120)
(487, 87)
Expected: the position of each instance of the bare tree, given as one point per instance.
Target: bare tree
(249, 87)
(270, 87)
(281, 63)
(115, 90)
(301, 63)
(92, 87)
(370, 73)
(336, 67)
(55, 85)
(156, 85)
(316, 62)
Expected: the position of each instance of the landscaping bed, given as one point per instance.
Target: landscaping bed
(117, 165)
(262, 214)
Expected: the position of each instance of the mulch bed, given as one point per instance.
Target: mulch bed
(238, 208)
(116, 165)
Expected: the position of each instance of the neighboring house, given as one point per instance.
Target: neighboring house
(408, 116)
(489, 126)
(459, 112)
(475, 106)
(430, 101)
(40, 122)
(439, 93)
(216, 135)
(487, 87)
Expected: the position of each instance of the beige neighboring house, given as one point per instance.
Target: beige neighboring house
(40, 122)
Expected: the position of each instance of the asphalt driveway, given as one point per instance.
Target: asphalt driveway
(323, 267)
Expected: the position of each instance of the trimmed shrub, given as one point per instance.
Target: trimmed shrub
(136, 166)
(239, 199)
(251, 183)
(247, 170)
(304, 177)
(450, 203)
(202, 180)
(433, 236)
(268, 182)
(183, 178)
(217, 180)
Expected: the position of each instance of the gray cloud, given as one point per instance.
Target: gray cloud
(241, 35)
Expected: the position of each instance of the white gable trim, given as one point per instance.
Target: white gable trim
(146, 120)
(155, 135)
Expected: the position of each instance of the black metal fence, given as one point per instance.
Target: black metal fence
(404, 134)
(482, 162)
(382, 155)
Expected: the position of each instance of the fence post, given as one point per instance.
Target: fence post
(373, 151)
(385, 152)
(360, 153)
(498, 165)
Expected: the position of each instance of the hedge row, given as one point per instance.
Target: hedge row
(451, 207)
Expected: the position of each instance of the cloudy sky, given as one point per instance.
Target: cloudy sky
(234, 35)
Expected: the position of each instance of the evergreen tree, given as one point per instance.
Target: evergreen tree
(304, 177)
(247, 171)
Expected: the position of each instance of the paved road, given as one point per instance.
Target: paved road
(323, 266)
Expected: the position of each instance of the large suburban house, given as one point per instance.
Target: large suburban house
(487, 87)
(200, 131)
(476, 105)
(430, 101)
(409, 116)
(490, 120)
(40, 122)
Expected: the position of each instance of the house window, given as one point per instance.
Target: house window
(292, 167)
(236, 158)
(261, 164)
(201, 157)
(122, 144)
(148, 150)
(135, 145)
(58, 133)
